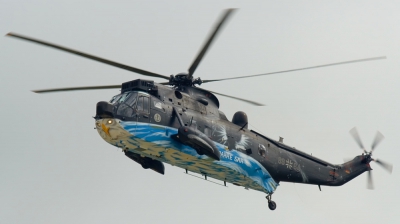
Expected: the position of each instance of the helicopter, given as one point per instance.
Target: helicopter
(178, 123)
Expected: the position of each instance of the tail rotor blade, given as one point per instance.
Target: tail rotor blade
(387, 166)
(378, 138)
(357, 138)
(370, 184)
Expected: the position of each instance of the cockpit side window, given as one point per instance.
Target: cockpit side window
(146, 104)
(131, 101)
(125, 110)
(143, 104)
(127, 104)
(140, 103)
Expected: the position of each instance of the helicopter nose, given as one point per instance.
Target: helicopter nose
(104, 110)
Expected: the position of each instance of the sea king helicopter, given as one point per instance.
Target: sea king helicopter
(178, 123)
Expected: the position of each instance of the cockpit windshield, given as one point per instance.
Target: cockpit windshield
(115, 98)
(123, 97)
(127, 98)
(126, 104)
(130, 103)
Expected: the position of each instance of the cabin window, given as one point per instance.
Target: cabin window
(157, 104)
(261, 150)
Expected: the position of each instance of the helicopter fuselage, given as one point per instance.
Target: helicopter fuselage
(144, 121)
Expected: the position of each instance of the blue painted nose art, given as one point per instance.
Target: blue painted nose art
(154, 141)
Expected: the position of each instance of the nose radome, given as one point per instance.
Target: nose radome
(104, 110)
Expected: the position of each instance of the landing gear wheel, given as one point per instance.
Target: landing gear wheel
(272, 205)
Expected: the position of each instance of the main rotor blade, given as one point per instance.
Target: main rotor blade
(76, 88)
(299, 69)
(203, 51)
(387, 166)
(237, 98)
(356, 137)
(232, 97)
(102, 60)
(378, 138)
(370, 183)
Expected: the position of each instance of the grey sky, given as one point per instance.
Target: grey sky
(54, 168)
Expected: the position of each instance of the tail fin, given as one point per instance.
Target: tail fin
(351, 169)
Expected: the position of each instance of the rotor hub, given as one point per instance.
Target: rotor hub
(184, 79)
(368, 158)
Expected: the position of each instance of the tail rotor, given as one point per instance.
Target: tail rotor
(368, 155)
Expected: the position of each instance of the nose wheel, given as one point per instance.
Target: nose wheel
(271, 204)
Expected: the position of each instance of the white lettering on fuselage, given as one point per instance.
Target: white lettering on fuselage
(289, 164)
(229, 156)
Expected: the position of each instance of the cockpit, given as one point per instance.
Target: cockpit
(133, 104)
